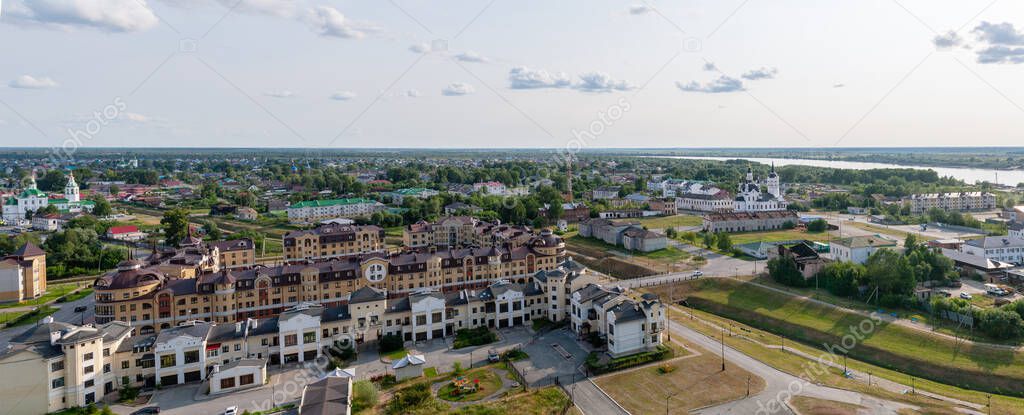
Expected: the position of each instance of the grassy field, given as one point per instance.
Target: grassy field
(755, 342)
(998, 370)
(814, 406)
(545, 401)
(675, 221)
(53, 291)
(775, 236)
(24, 318)
(489, 382)
(697, 381)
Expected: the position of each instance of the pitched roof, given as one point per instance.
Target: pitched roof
(326, 396)
(28, 249)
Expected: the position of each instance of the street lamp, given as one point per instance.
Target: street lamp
(723, 350)
(667, 397)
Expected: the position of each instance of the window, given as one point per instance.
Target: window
(245, 380)
(90, 383)
(87, 370)
(238, 347)
(192, 357)
(421, 320)
(290, 340)
(227, 383)
(87, 356)
(55, 366)
(309, 337)
(125, 364)
(168, 360)
(57, 383)
(106, 368)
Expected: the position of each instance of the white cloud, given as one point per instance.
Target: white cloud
(280, 94)
(107, 15)
(521, 77)
(601, 82)
(282, 8)
(470, 56)
(32, 82)
(1001, 54)
(760, 73)
(343, 95)
(412, 93)
(328, 21)
(639, 9)
(710, 66)
(999, 34)
(458, 89)
(722, 84)
(947, 40)
(420, 48)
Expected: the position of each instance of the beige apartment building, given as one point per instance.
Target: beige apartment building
(332, 241)
(23, 274)
(152, 300)
(55, 365)
(461, 231)
(238, 253)
(956, 201)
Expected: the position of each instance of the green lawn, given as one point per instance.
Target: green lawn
(662, 222)
(487, 382)
(904, 349)
(430, 372)
(397, 354)
(53, 291)
(669, 253)
(28, 317)
(544, 401)
(775, 236)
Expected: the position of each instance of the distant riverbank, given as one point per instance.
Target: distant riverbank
(968, 175)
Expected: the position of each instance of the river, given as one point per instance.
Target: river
(1005, 177)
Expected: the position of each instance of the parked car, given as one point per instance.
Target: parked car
(965, 296)
(698, 273)
(81, 309)
(147, 410)
(493, 356)
(232, 410)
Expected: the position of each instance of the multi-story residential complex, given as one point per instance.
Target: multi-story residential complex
(23, 274)
(858, 248)
(398, 196)
(627, 324)
(996, 248)
(455, 231)
(238, 253)
(152, 299)
(54, 366)
(604, 193)
(749, 221)
(1016, 230)
(962, 201)
(332, 240)
(317, 210)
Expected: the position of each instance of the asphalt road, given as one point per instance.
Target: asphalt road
(66, 313)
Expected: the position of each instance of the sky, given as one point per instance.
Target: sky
(511, 74)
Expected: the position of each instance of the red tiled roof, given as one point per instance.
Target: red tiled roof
(117, 230)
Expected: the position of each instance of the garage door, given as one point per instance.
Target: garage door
(168, 380)
(309, 355)
(193, 376)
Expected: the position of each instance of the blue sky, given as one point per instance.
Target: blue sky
(416, 73)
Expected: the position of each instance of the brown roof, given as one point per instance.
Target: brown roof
(27, 250)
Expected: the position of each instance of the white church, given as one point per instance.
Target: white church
(32, 199)
(751, 199)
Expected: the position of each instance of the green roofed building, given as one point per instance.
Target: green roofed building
(318, 210)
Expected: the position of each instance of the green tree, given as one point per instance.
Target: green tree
(890, 272)
(101, 207)
(175, 226)
(709, 240)
(817, 225)
(724, 242)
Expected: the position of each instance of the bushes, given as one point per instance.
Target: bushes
(390, 343)
(364, 395)
(625, 362)
(514, 355)
(473, 337)
(817, 225)
(783, 270)
(408, 400)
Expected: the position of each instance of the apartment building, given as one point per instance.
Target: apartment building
(455, 231)
(628, 325)
(956, 201)
(54, 365)
(153, 300)
(311, 211)
(23, 274)
(238, 253)
(332, 240)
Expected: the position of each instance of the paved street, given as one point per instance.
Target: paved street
(66, 313)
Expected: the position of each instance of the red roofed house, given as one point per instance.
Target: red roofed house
(125, 233)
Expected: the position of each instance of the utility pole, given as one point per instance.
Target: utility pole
(748, 385)
(723, 350)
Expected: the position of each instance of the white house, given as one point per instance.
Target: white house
(859, 248)
(627, 325)
(181, 353)
(299, 333)
(996, 248)
(238, 374)
(410, 366)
